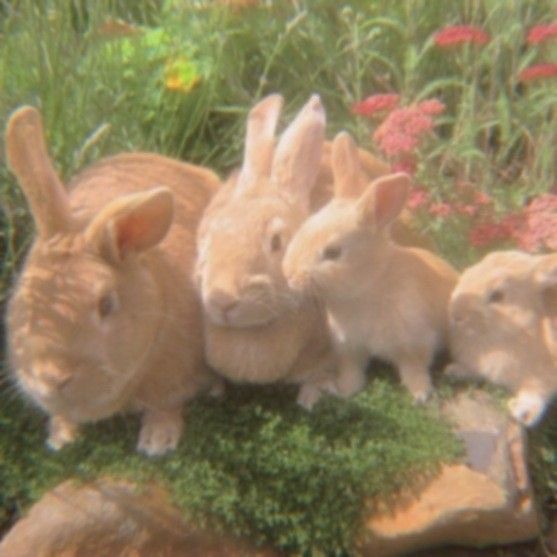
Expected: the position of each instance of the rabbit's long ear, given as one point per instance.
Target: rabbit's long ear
(259, 144)
(298, 154)
(347, 172)
(545, 280)
(131, 224)
(383, 200)
(28, 158)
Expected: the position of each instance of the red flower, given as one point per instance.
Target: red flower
(417, 197)
(481, 198)
(406, 164)
(487, 233)
(539, 33)
(458, 34)
(466, 209)
(432, 107)
(539, 227)
(440, 209)
(400, 132)
(376, 103)
(538, 71)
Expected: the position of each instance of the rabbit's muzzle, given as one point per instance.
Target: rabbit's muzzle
(256, 303)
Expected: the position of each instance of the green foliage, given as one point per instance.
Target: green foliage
(543, 459)
(300, 481)
(255, 463)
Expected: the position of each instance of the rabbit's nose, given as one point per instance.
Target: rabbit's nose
(51, 375)
(258, 282)
(222, 300)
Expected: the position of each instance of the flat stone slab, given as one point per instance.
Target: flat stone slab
(114, 518)
(487, 500)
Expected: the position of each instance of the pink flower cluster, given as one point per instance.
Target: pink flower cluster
(402, 130)
(471, 203)
(539, 224)
(532, 229)
(400, 133)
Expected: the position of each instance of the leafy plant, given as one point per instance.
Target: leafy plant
(254, 464)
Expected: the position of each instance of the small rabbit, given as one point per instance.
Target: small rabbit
(503, 328)
(403, 229)
(382, 299)
(256, 329)
(95, 323)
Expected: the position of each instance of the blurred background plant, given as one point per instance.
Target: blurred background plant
(462, 94)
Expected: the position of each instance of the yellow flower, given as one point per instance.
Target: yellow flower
(180, 74)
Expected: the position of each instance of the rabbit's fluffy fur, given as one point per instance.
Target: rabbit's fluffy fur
(96, 322)
(503, 328)
(256, 329)
(382, 299)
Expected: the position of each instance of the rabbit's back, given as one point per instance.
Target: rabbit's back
(125, 173)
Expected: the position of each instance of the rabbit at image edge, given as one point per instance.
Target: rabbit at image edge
(382, 299)
(96, 322)
(503, 328)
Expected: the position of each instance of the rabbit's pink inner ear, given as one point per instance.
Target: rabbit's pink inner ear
(28, 158)
(132, 224)
(348, 177)
(259, 144)
(384, 200)
(298, 154)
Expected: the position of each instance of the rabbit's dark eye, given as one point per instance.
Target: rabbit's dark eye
(107, 305)
(276, 242)
(496, 296)
(331, 252)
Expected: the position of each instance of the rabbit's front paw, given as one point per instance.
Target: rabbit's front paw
(60, 432)
(309, 395)
(527, 407)
(421, 396)
(218, 389)
(417, 380)
(160, 431)
(351, 380)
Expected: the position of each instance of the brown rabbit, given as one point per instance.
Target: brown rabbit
(382, 299)
(503, 328)
(256, 330)
(96, 323)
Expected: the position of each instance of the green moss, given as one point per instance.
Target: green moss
(253, 463)
(542, 447)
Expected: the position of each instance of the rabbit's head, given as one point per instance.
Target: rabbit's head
(501, 314)
(330, 246)
(507, 293)
(242, 239)
(85, 310)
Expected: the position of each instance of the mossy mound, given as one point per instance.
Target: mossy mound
(253, 463)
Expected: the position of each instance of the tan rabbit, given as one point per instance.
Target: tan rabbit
(96, 323)
(382, 299)
(256, 330)
(403, 229)
(503, 328)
